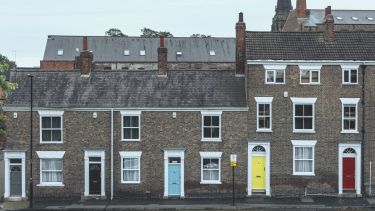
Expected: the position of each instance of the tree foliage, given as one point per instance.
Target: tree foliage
(147, 32)
(114, 32)
(200, 35)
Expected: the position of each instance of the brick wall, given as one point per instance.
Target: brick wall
(57, 65)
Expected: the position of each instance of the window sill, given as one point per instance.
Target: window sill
(349, 132)
(303, 131)
(130, 140)
(51, 185)
(274, 83)
(210, 183)
(52, 142)
(264, 131)
(211, 140)
(350, 84)
(310, 84)
(303, 174)
(132, 182)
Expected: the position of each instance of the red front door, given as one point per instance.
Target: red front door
(349, 173)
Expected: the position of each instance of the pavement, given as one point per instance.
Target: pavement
(251, 204)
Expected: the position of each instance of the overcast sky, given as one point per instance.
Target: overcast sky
(25, 24)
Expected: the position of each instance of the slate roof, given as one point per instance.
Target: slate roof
(130, 89)
(111, 49)
(310, 46)
(342, 17)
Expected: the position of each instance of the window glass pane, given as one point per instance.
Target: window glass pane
(261, 109)
(346, 124)
(95, 159)
(46, 122)
(299, 110)
(352, 111)
(207, 132)
(298, 123)
(346, 76)
(134, 121)
(353, 76)
(210, 163)
(215, 132)
(346, 111)
(307, 123)
(308, 110)
(207, 120)
(46, 135)
(267, 122)
(280, 76)
(127, 133)
(315, 76)
(126, 121)
(352, 124)
(56, 122)
(305, 76)
(214, 174)
(270, 76)
(299, 152)
(262, 123)
(135, 133)
(206, 175)
(215, 121)
(56, 135)
(131, 175)
(267, 109)
(307, 152)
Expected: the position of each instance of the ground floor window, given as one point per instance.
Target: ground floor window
(51, 171)
(303, 157)
(210, 168)
(131, 167)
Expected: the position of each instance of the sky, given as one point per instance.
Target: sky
(25, 24)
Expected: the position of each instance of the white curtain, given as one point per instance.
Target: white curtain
(52, 170)
(131, 169)
(211, 169)
(303, 159)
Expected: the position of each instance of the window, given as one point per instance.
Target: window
(303, 157)
(210, 169)
(275, 76)
(350, 75)
(264, 114)
(60, 52)
(126, 52)
(211, 126)
(51, 168)
(131, 167)
(51, 126)
(303, 115)
(131, 125)
(212, 53)
(349, 115)
(142, 52)
(179, 53)
(310, 76)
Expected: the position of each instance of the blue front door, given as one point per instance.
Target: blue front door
(174, 179)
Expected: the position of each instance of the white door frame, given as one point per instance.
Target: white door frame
(174, 153)
(94, 153)
(13, 155)
(267, 147)
(358, 166)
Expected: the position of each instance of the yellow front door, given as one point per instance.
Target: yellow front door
(259, 173)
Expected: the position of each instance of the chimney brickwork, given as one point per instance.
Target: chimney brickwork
(301, 8)
(240, 45)
(85, 59)
(329, 26)
(162, 58)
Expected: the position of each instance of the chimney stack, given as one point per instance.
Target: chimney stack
(85, 59)
(240, 45)
(162, 58)
(328, 10)
(301, 9)
(329, 26)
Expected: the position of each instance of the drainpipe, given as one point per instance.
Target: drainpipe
(112, 154)
(363, 130)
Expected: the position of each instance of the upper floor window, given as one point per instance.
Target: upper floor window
(310, 74)
(303, 157)
(51, 126)
(303, 115)
(275, 74)
(131, 125)
(142, 52)
(60, 52)
(349, 115)
(349, 74)
(264, 114)
(126, 52)
(211, 126)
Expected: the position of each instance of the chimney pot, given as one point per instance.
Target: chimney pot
(328, 10)
(240, 17)
(301, 9)
(162, 41)
(85, 45)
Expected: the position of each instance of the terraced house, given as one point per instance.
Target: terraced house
(297, 110)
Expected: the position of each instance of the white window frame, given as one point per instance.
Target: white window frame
(274, 68)
(142, 52)
(211, 113)
(349, 68)
(130, 154)
(304, 143)
(60, 52)
(303, 101)
(130, 113)
(50, 155)
(264, 100)
(50, 114)
(348, 102)
(310, 68)
(210, 155)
